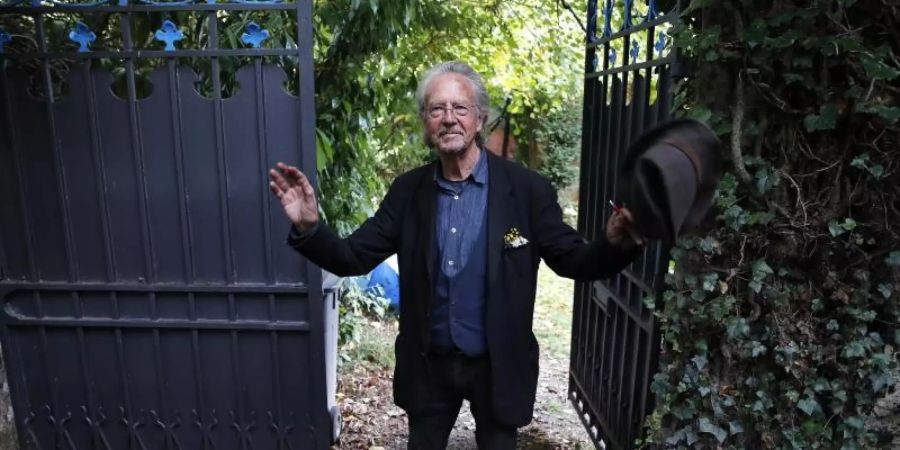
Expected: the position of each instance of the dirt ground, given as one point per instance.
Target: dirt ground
(371, 421)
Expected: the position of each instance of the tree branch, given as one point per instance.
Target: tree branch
(737, 119)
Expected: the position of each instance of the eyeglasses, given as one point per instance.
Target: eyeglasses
(458, 110)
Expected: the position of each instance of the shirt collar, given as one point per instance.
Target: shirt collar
(479, 174)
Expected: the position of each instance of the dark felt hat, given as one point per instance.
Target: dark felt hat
(669, 177)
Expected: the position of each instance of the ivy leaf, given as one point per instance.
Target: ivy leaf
(735, 427)
(706, 426)
(855, 422)
(738, 327)
(886, 290)
(809, 405)
(700, 361)
(709, 281)
(893, 259)
(855, 349)
(825, 120)
(758, 349)
(878, 70)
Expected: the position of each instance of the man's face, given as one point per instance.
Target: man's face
(452, 118)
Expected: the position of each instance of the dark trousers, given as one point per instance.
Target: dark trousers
(455, 377)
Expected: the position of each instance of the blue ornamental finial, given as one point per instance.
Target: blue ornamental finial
(660, 43)
(5, 38)
(592, 22)
(255, 35)
(83, 36)
(170, 34)
(652, 13)
(635, 49)
(626, 21)
(612, 57)
(607, 19)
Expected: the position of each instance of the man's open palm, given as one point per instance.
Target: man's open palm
(296, 195)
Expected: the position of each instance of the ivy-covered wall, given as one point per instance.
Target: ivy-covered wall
(780, 325)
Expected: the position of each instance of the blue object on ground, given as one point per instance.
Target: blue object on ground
(386, 277)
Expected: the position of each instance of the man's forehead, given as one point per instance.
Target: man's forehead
(449, 86)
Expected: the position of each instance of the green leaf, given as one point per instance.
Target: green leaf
(861, 161)
(855, 422)
(893, 259)
(855, 349)
(700, 361)
(706, 426)
(835, 228)
(878, 70)
(738, 327)
(710, 281)
(886, 290)
(809, 405)
(825, 120)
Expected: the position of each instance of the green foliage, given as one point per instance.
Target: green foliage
(356, 309)
(780, 326)
(560, 137)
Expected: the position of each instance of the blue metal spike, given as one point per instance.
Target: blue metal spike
(635, 50)
(83, 36)
(592, 21)
(612, 57)
(660, 43)
(607, 19)
(123, 2)
(652, 13)
(626, 22)
(5, 38)
(594, 61)
(170, 34)
(255, 35)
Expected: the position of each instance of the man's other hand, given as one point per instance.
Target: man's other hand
(296, 195)
(620, 230)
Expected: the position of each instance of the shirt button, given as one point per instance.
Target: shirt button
(450, 263)
(453, 230)
(455, 197)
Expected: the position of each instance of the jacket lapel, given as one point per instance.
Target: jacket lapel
(499, 214)
(425, 208)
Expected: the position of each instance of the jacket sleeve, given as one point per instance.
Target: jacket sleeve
(564, 250)
(359, 253)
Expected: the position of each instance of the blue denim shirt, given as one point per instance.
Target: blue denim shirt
(461, 259)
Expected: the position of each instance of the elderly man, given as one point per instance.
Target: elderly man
(469, 231)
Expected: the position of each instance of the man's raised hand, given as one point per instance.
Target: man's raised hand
(296, 194)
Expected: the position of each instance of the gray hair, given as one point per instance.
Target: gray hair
(481, 95)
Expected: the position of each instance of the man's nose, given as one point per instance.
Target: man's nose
(448, 117)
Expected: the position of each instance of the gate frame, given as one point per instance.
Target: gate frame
(611, 406)
(326, 426)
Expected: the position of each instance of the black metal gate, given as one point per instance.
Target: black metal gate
(148, 299)
(615, 344)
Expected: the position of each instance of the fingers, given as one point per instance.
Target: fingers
(287, 177)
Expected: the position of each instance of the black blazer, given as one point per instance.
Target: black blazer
(404, 224)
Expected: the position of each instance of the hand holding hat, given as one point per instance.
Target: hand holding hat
(669, 177)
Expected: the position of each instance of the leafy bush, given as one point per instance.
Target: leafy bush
(560, 136)
(356, 309)
(779, 327)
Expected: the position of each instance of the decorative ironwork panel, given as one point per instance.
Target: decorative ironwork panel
(149, 301)
(615, 344)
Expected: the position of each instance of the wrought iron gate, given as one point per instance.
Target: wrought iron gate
(148, 300)
(615, 344)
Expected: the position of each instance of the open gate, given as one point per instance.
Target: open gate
(615, 343)
(147, 299)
